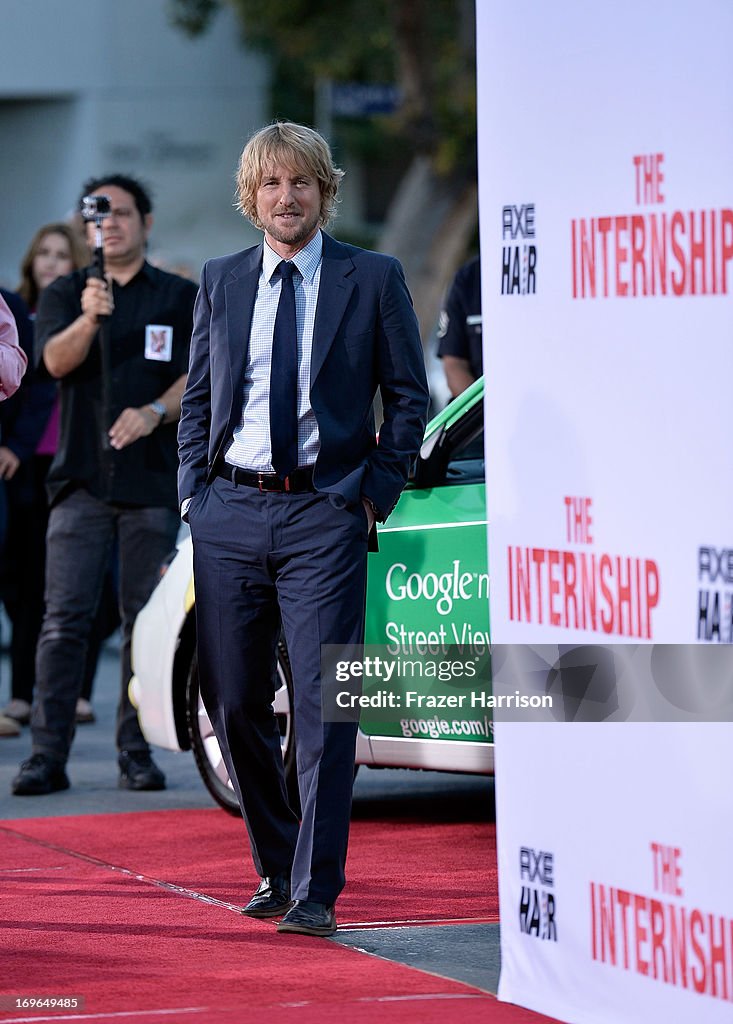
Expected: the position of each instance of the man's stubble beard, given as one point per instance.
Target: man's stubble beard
(299, 233)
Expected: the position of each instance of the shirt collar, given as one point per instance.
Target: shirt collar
(306, 261)
(148, 271)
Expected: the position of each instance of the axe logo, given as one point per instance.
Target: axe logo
(715, 595)
(537, 907)
(518, 256)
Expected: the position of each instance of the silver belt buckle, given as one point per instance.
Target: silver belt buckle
(264, 489)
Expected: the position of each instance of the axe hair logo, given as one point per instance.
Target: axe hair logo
(536, 902)
(518, 256)
(715, 595)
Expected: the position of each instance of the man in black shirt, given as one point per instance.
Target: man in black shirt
(114, 475)
(459, 329)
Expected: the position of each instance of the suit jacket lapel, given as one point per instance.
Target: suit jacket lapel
(240, 293)
(334, 293)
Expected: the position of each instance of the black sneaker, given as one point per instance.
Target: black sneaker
(139, 771)
(38, 775)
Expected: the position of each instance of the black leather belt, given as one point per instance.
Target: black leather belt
(300, 481)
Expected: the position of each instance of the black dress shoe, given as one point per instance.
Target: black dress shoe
(308, 918)
(139, 771)
(38, 775)
(271, 898)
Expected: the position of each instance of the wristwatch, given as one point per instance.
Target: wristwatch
(160, 409)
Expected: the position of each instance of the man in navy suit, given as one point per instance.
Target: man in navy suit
(281, 479)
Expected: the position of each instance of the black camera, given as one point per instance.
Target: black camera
(96, 207)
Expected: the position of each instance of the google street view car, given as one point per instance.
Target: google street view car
(428, 581)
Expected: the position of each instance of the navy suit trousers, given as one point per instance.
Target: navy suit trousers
(259, 560)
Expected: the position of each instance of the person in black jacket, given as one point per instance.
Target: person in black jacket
(24, 415)
(460, 329)
(8, 411)
(28, 436)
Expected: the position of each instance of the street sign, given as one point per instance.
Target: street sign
(363, 99)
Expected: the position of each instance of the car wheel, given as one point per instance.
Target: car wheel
(205, 745)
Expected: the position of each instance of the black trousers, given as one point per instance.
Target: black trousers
(23, 581)
(260, 559)
(81, 532)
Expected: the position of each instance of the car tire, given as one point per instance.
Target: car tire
(205, 746)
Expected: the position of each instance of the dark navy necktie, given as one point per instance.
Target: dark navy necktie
(284, 378)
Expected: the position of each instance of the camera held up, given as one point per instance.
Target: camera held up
(96, 208)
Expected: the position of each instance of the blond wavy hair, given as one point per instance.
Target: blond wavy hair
(296, 147)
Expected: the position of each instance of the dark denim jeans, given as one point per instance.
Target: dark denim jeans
(81, 531)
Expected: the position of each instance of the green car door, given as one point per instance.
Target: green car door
(429, 582)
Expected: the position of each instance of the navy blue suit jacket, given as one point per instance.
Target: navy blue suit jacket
(366, 338)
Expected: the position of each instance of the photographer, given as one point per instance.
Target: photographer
(119, 346)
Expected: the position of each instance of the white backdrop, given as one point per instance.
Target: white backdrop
(622, 401)
(596, 797)
(606, 195)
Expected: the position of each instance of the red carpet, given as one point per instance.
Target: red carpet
(95, 906)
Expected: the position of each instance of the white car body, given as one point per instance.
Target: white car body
(438, 522)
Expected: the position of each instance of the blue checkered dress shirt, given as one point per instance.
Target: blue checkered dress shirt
(250, 448)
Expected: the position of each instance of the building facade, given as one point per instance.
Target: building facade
(95, 86)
